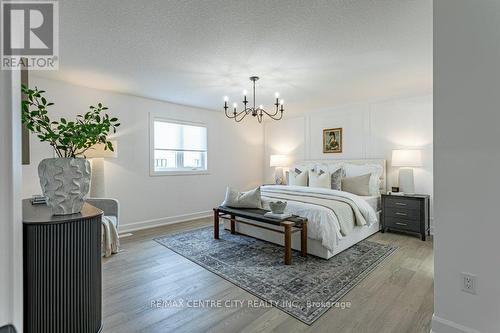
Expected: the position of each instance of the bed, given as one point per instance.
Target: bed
(331, 230)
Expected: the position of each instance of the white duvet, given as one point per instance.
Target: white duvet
(323, 224)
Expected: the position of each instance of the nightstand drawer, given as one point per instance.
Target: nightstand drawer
(402, 224)
(403, 213)
(396, 202)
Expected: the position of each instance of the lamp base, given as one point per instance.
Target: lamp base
(406, 181)
(279, 177)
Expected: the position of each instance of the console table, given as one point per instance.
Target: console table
(62, 270)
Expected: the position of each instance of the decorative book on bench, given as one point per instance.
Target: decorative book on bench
(278, 216)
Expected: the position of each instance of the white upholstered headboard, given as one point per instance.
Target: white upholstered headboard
(381, 162)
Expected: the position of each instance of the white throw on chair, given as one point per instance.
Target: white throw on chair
(110, 224)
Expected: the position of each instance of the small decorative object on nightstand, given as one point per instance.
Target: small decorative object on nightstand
(410, 213)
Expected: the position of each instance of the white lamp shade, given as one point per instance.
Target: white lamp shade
(98, 151)
(279, 161)
(406, 158)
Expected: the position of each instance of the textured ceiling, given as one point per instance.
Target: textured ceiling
(315, 53)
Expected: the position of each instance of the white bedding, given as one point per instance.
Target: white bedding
(323, 224)
(373, 201)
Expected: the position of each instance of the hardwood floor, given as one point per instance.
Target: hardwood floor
(396, 297)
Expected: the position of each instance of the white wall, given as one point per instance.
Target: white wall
(370, 130)
(10, 204)
(234, 156)
(467, 162)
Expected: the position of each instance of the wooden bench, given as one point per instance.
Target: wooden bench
(290, 225)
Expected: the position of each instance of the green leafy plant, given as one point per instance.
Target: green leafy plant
(67, 138)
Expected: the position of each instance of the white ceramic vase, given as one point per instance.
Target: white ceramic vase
(65, 182)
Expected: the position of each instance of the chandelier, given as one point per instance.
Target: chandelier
(257, 112)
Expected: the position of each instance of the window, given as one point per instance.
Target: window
(178, 147)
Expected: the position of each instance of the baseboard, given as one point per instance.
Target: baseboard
(8, 329)
(147, 224)
(440, 325)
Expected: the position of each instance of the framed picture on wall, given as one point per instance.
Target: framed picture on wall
(332, 140)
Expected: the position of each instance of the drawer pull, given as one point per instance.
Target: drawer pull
(400, 204)
(399, 223)
(402, 214)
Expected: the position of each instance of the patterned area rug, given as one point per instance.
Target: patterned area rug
(306, 289)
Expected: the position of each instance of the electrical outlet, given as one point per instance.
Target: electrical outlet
(469, 283)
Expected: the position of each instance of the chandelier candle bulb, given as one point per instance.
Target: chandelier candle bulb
(277, 95)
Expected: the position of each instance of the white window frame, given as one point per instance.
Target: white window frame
(176, 171)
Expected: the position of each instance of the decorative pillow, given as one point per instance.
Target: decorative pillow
(297, 178)
(336, 174)
(357, 185)
(336, 179)
(236, 199)
(375, 170)
(327, 167)
(287, 174)
(321, 179)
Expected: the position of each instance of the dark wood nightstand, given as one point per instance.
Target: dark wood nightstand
(409, 212)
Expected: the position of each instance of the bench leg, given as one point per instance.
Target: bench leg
(216, 224)
(288, 244)
(233, 227)
(303, 240)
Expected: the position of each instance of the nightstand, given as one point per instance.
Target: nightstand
(409, 213)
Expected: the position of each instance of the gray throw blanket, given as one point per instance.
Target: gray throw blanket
(346, 211)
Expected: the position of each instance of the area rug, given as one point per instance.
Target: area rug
(306, 289)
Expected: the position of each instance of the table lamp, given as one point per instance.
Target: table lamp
(407, 159)
(278, 162)
(96, 155)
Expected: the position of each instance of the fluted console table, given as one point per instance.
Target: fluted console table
(62, 270)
